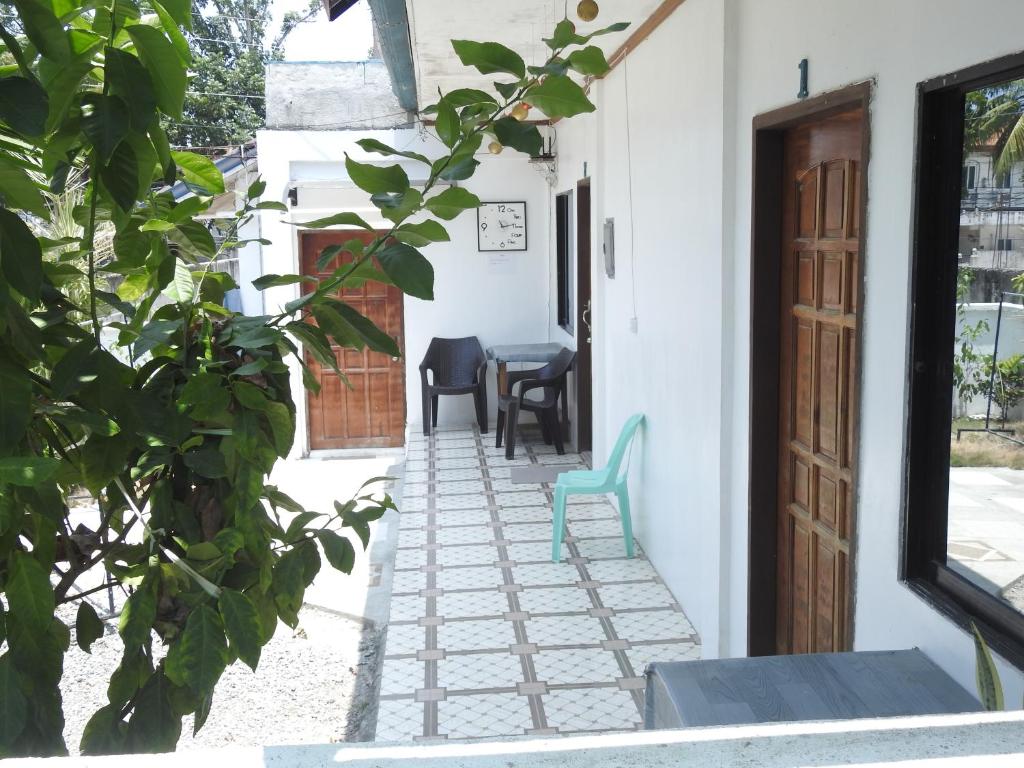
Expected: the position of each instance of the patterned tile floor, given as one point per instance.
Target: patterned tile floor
(487, 636)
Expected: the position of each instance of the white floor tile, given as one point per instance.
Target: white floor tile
(554, 600)
(476, 634)
(565, 630)
(479, 670)
(477, 716)
(652, 625)
(591, 709)
(576, 666)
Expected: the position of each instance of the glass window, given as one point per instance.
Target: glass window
(965, 525)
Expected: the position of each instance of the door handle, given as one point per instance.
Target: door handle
(586, 322)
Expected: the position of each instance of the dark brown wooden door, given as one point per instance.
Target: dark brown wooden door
(584, 322)
(372, 413)
(817, 409)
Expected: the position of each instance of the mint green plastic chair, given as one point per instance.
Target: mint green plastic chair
(611, 479)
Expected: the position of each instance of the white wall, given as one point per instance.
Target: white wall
(501, 301)
(695, 86)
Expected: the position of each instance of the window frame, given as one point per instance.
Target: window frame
(564, 261)
(938, 193)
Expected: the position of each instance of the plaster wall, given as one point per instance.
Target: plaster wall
(500, 298)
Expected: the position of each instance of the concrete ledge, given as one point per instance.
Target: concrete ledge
(988, 739)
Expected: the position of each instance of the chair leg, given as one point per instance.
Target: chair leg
(426, 412)
(545, 429)
(433, 401)
(499, 429)
(555, 428)
(622, 492)
(511, 425)
(482, 408)
(558, 525)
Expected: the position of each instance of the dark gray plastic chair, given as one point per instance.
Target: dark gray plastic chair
(551, 381)
(458, 367)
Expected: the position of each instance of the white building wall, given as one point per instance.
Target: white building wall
(695, 86)
(501, 299)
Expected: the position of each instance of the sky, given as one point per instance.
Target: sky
(347, 38)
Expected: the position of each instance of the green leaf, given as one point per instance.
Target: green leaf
(371, 335)
(88, 627)
(154, 726)
(589, 61)
(137, 617)
(164, 67)
(422, 233)
(182, 288)
(199, 171)
(13, 706)
(171, 28)
(271, 281)
(208, 462)
(376, 178)
(396, 208)
(195, 238)
(336, 327)
(15, 412)
(559, 96)
(990, 690)
(20, 191)
(242, 622)
(565, 34)
(451, 202)
(21, 258)
(380, 148)
(29, 593)
(339, 550)
(43, 28)
(120, 176)
(489, 57)
(198, 657)
(180, 11)
(289, 585)
(337, 220)
(24, 105)
(464, 97)
(25, 471)
(105, 120)
(519, 135)
(103, 733)
(448, 125)
(408, 269)
(507, 90)
(64, 83)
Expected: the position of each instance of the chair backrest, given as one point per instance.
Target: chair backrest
(618, 453)
(455, 362)
(557, 367)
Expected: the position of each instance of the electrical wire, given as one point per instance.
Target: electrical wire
(629, 177)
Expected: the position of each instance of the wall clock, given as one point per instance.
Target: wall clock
(501, 226)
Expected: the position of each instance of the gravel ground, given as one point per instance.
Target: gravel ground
(313, 686)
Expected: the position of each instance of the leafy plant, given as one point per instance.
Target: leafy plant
(969, 365)
(1007, 382)
(146, 392)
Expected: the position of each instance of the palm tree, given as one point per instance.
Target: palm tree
(994, 117)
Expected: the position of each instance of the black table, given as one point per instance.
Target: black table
(823, 686)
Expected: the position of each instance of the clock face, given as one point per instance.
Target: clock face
(501, 227)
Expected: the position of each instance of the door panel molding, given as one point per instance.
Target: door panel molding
(370, 414)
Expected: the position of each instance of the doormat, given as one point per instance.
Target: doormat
(535, 474)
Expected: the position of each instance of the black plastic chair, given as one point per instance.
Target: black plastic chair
(551, 381)
(459, 367)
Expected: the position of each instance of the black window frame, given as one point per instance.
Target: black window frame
(564, 252)
(938, 192)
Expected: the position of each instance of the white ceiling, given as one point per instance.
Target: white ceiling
(519, 24)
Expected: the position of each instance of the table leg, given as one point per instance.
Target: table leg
(502, 377)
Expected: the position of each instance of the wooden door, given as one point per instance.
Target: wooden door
(584, 321)
(370, 414)
(817, 410)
